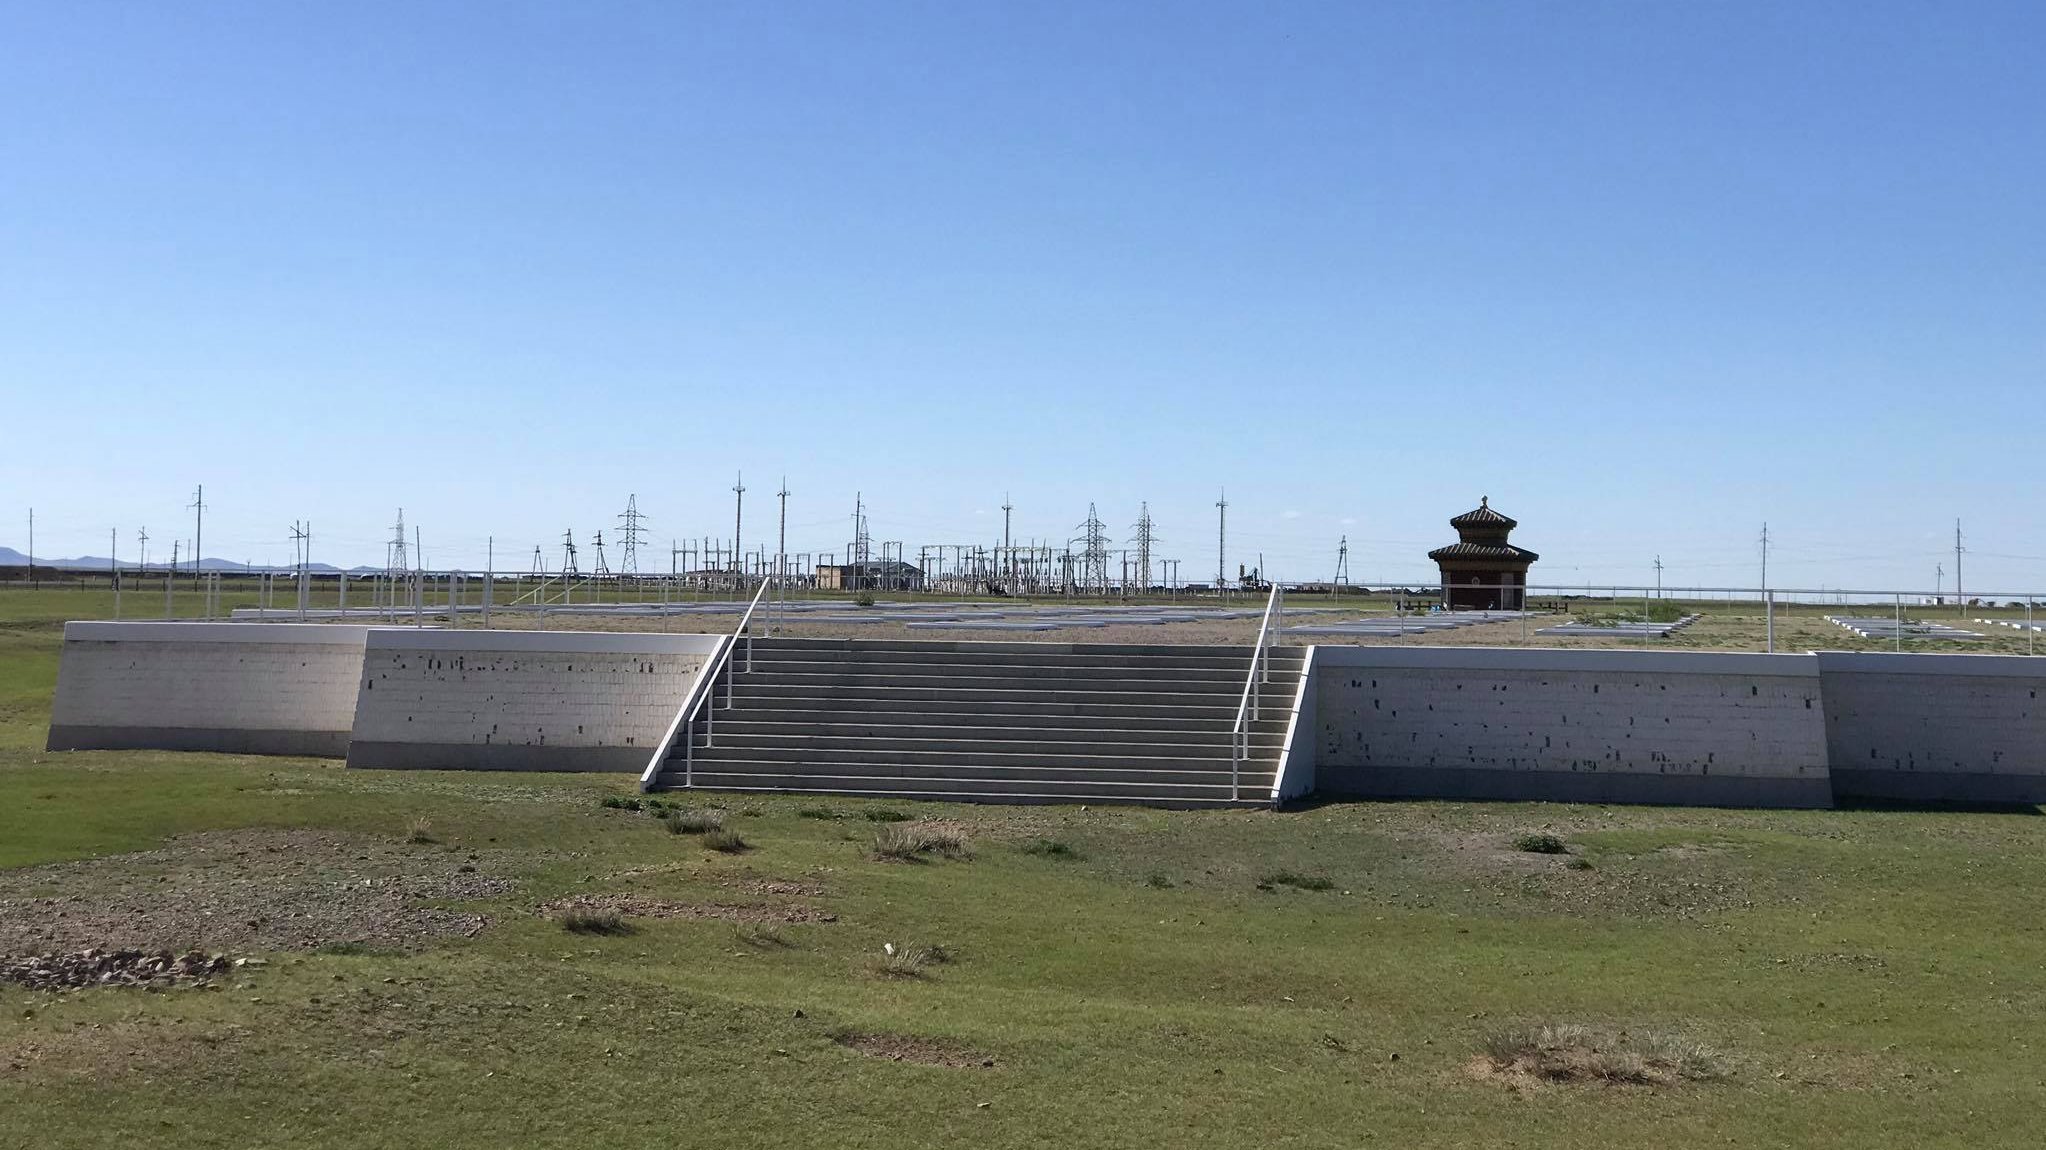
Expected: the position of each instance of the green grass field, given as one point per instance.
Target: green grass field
(1135, 978)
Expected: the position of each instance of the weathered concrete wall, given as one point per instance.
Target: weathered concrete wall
(519, 700)
(1583, 726)
(276, 689)
(1946, 728)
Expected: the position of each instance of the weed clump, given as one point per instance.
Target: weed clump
(863, 599)
(681, 822)
(825, 814)
(723, 839)
(1541, 844)
(421, 831)
(1569, 1052)
(1295, 880)
(909, 961)
(886, 816)
(590, 920)
(1578, 863)
(761, 935)
(1156, 880)
(1049, 848)
(906, 842)
(619, 803)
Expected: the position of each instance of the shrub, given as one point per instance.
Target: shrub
(886, 816)
(619, 803)
(420, 832)
(1156, 880)
(1568, 1052)
(590, 920)
(1296, 880)
(908, 841)
(1050, 848)
(1579, 864)
(864, 599)
(1540, 844)
(723, 839)
(683, 822)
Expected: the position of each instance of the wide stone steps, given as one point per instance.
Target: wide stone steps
(989, 721)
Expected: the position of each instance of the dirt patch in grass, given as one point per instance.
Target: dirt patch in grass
(105, 1051)
(640, 906)
(1569, 1053)
(766, 886)
(256, 889)
(909, 1048)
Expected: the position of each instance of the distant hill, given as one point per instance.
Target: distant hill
(9, 557)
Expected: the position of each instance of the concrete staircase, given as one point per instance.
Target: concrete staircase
(991, 722)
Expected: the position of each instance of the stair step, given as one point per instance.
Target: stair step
(951, 768)
(825, 779)
(1006, 798)
(1132, 757)
(949, 690)
(778, 668)
(912, 740)
(826, 721)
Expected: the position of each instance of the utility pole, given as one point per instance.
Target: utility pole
(1939, 582)
(1342, 578)
(1222, 542)
(198, 508)
(1007, 549)
(142, 542)
(1146, 535)
(1959, 598)
(1765, 556)
(781, 538)
(33, 583)
(1658, 576)
(738, 537)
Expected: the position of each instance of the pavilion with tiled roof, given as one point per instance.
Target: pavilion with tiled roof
(1482, 571)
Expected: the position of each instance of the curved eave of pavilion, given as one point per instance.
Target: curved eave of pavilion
(1506, 552)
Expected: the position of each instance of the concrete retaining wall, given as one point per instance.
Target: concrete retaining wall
(1581, 726)
(276, 689)
(1946, 728)
(519, 700)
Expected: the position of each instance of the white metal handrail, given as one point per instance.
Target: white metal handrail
(1260, 673)
(702, 699)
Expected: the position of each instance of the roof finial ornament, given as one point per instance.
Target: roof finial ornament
(1484, 501)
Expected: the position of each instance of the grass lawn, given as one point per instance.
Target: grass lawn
(1113, 977)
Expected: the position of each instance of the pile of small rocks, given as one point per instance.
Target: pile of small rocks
(96, 967)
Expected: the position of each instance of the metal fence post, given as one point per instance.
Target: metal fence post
(1769, 618)
(1900, 621)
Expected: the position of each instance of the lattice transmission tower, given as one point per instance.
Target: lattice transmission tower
(1146, 535)
(632, 532)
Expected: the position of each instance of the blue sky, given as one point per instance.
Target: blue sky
(1647, 275)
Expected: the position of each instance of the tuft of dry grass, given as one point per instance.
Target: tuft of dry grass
(1571, 1052)
(909, 841)
(421, 831)
(593, 920)
(681, 822)
(723, 839)
(762, 935)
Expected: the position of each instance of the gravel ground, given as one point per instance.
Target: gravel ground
(258, 889)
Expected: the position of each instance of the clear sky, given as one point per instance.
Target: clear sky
(1647, 275)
